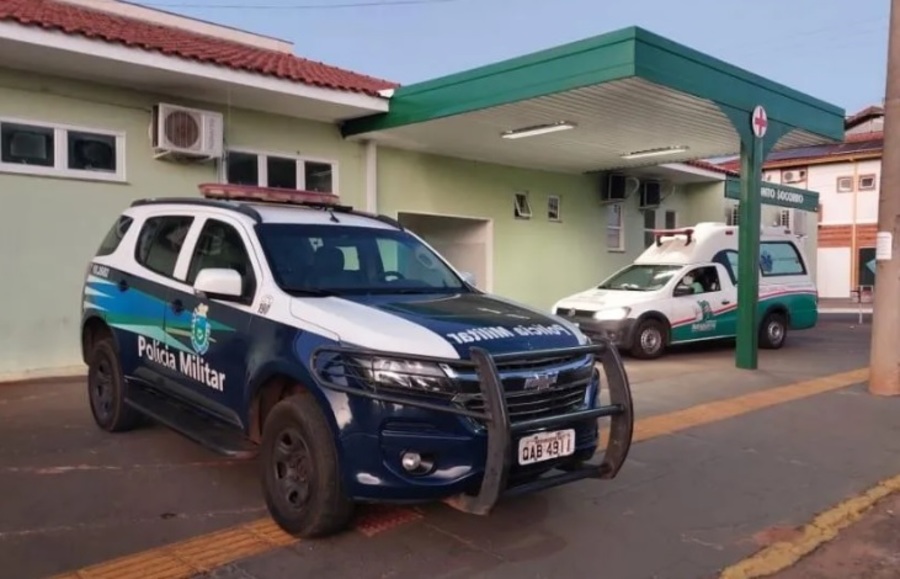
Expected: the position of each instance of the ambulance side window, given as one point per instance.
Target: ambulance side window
(728, 258)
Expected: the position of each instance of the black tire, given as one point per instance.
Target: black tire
(650, 339)
(300, 470)
(106, 390)
(773, 331)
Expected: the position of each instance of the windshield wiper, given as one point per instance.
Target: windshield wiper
(309, 292)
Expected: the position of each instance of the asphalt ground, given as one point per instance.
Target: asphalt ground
(724, 460)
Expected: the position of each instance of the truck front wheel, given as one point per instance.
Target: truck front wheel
(649, 339)
(301, 474)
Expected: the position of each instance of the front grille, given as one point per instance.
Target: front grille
(574, 313)
(524, 405)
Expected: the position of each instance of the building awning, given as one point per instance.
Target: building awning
(624, 99)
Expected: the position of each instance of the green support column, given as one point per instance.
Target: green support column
(749, 211)
(755, 146)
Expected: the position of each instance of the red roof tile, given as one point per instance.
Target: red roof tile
(863, 115)
(706, 165)
(864, 143)
(176, 42)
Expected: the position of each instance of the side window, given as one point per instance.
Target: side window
(115, 234)
(780, 258)
(702, 280)
(220, 246)
(728, 258)
(160, 242)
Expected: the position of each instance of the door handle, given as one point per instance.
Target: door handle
(123, 285)
(177, 306)
(725, 302)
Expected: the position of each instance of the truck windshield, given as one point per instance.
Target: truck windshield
(643, 278)
(334, 259)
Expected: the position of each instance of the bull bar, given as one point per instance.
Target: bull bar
(496, 418)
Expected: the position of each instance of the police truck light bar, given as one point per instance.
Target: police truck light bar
(660, 233)
(268, 195)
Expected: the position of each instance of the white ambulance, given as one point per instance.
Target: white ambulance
(683, 289)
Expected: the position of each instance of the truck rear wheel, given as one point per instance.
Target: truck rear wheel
(106, 389)
(301, 474)
(649, 339)
(773, 331)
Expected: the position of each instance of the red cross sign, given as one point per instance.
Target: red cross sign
(760, 121)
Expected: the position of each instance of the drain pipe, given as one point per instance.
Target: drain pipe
(371, 187)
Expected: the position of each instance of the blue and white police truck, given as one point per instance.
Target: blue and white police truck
(344, 353)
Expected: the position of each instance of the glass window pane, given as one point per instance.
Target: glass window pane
(780, 258)
(114, 235)
(221, 246)
(614, 215)
(612, 238)
(160, 243)
(26, 144)
(282, 172)
(649, 219)
(319, 177)
(92, 152)
(242, 169)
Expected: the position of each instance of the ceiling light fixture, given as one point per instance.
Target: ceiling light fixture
(535, 130)
(655, 152)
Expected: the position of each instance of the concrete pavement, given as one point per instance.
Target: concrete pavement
(692, 499)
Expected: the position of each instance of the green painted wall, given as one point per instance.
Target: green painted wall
(536, 261)
(49, 228)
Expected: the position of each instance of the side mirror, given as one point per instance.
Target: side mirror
(219, 283)
(469, 278)
(681, 290)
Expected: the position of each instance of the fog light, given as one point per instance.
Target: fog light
(411, 461)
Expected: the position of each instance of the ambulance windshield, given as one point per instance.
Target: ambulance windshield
(641, 278)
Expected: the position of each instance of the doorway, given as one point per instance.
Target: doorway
(466, 242)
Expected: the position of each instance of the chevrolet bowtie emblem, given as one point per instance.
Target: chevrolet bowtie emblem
(541, 381)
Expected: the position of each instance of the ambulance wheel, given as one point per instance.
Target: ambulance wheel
(649, 340)
(773, 331)
(301, 474)
(106, 390)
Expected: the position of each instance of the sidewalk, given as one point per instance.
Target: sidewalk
(844, 306)
(870, 548)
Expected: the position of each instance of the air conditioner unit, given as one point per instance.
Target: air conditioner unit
(182, 133)
(651, 194)
(795, 176)
(617, 188)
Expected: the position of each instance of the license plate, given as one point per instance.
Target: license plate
(546, 446)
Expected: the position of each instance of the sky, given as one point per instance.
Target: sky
(834, 50)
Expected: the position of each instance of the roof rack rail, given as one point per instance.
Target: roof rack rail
(311, 199)
(216, 203)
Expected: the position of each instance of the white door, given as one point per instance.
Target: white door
(833, 272)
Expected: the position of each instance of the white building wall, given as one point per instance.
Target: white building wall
(838, 207)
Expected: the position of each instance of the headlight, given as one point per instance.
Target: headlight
(391, 373)
(612, 314)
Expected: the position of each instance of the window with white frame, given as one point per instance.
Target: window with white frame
(54, 150)
(258, 169)
(615, 230)
(553, 208)
(844, 184)
(522, 207)
(867, 182)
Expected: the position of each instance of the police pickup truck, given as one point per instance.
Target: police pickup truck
(344, 352)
